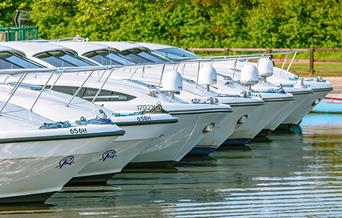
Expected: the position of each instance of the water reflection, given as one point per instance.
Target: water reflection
(291, 175)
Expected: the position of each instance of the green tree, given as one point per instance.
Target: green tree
(189, 23)
(55, 18)
(7, 8)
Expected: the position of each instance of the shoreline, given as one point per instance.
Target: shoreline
(337, 85)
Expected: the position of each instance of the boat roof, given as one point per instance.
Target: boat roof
(81, 47)
(122, 46)
(33, 48)
(9, 49)
(153, 46)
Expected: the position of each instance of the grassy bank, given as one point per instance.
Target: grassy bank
(324, 69)
(321, 69)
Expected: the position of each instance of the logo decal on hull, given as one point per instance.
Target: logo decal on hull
(68, 160)
(108, 154)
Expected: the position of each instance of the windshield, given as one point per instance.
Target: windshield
(106, 57)
(118, 58)
(132, 56)
(152, 57)
(175, 54)
(12, 61)
(141, 56)
(63, 59)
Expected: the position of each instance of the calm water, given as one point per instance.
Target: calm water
(292, 175)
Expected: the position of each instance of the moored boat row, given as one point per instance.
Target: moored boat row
(75, 111)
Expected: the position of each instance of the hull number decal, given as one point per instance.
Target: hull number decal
(78, 131)
(144, 118)
(145, 107)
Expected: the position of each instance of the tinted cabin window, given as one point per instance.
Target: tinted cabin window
(54, 61)
(11, 61)
(7, 65)
(99, 58)
(63, 59)
(90, 93)
(102, 58)
(22, 62)
(151, 57)
(175, 53)
(118, 58)
(75, 61)
(132, 56)
(70, 90)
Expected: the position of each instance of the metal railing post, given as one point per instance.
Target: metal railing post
(136, 69)
(41, 91)
(13, 91)
(18, 83)
(54, 83)
(161, 77)
(234, 70)
(198, 70)
(283, 65)
(183, 69)
(79, 89)
(104, 71)
(103, 84)
(143, 72)
(291, 62)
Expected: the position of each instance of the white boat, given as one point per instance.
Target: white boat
(38, 157)
(319, 86)
(136, 52)
(176, 142)
(193, 119)
(242, 106)
(302, 94)
(307, 92)
(57, 106)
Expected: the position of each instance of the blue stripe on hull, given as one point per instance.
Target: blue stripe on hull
(237, 141)
(200, 150)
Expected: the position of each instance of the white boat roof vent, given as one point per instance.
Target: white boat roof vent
(265, 67)
(207, 75)
(172, 81)
(249, 75)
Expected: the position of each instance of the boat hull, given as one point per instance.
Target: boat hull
(179, 140)
(255, 122)
(288, 110)
(304, 108)
(223, 131)
(43, 167)
(118, 154)
(212, 140)
(280, 113)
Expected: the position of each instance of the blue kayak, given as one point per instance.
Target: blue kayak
(329, 105)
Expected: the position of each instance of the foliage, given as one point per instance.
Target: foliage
(7, 8)
(190, 23)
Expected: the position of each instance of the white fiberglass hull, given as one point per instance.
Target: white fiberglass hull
(181, 139)
(125, 149)
(245, 132)
(127, 146)
(30, 170)
(173, 144)
(287, 111)
(224, 127)
(301, 110)
(212, 140)
(278, 113)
